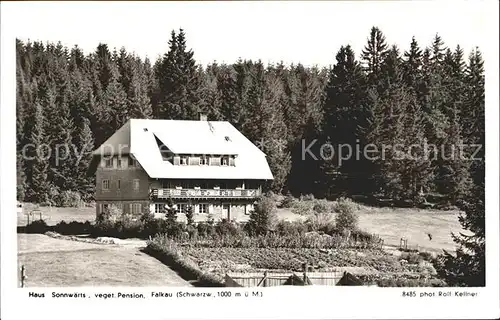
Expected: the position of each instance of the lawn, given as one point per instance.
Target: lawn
(413, 224)
(63, 263)
(53, 215)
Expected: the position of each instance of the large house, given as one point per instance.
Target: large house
(207, 164)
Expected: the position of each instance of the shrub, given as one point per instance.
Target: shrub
(192, 231)
(205, 229)
(190, 215)
(73, 228)
(225, 227)
(303, 208)
(37, 226)
(346, 218)
(320, 221)
(322, 206)
(171, 212)
(114, 213)
(426, 256)
(411, 257)
(287, 228)
(68, 198)
(288, 201)
(307, 197)
(263, 217)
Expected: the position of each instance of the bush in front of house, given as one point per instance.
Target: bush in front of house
(346, 218)
(73, 228)
(263, 218)
(205, 229)
(37, 226)
(226, 228)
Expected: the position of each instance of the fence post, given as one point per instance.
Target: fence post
(304, 267)
(23, 275)
(265, 279)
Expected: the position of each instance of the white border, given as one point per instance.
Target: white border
(290, 302)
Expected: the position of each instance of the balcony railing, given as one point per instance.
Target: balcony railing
(205, 193)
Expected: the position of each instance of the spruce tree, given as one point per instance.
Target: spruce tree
(85, 145)
(178, 81)
(468, 266)
(38, 181)
(344, 115)
(227, 88)
(374, 54)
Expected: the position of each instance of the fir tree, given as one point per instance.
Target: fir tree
(39, 154)
(178, 81)
(374, 54)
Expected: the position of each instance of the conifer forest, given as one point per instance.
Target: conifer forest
(423, 94)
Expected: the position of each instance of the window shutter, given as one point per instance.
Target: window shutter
(177, 160)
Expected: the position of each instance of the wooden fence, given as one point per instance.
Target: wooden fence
(271, 279)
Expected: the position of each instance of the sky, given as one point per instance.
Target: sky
(307, 32)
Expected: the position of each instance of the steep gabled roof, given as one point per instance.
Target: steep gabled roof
(140, 137)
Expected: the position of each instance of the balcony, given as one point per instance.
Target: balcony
(205, 193)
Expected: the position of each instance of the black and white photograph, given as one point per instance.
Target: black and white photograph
(254, 146)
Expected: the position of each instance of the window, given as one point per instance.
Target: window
(182, 208)
(184, 161)
(105, 184)
(203, 208)
(108, 162)
(132, 162)
(105, 208)
(135, 184)
(203, 161)
(159, 207)
(135, 208)
(118, 184)
(224, 161)
(119, 162)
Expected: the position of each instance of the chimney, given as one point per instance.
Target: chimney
(203, 116)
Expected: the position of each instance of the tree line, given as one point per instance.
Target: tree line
(423, 95)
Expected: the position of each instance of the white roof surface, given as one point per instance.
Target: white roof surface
(137, 137)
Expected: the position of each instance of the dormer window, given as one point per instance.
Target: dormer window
(132, 162)
(203, 161)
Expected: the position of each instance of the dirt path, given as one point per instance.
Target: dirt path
(57, 262)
